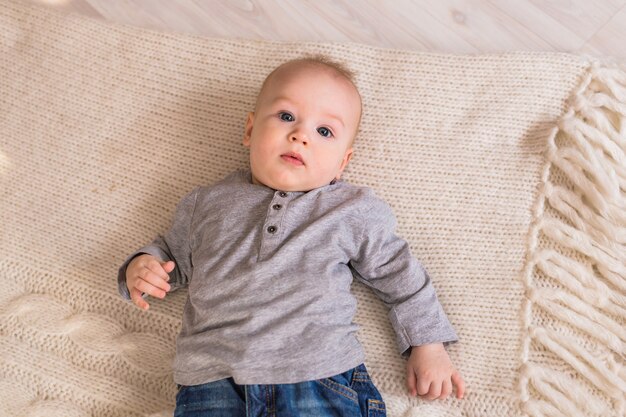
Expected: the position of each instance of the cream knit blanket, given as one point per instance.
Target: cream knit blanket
(507, 174)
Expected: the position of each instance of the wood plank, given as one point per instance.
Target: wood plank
(447, 26)
(610, 40)
(535, 18)
(583, 17)
(478, 23)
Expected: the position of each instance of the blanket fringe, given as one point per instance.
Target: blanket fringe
(577, 278)
(556, 388)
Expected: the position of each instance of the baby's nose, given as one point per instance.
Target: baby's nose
(298, 136)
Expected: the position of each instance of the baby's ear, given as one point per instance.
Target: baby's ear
(248, 132)
(345, 161)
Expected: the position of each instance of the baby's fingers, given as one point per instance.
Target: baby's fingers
(457, 380)
(151, 289)
(434, 390)
(155, 279)
(446, 389)
(423, 387)
(135, 296)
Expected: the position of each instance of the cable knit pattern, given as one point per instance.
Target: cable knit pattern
(95, 333)
(505, 172)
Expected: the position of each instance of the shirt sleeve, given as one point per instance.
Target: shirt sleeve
(174, 245)
(385, 264)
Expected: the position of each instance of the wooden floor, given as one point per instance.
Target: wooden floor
(595, 27)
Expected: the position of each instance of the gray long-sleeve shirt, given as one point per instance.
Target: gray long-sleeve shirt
(269, 274)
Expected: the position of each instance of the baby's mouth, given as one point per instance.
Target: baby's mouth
(291, 159)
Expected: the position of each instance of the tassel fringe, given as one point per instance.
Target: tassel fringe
(575, 278)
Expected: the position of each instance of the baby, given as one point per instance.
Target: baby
(268, 254)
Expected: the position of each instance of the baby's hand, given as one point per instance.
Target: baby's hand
(147, 274)
(430, 373)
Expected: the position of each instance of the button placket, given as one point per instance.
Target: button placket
(272, 226)
(275, 213)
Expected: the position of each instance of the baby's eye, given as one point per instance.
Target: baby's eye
(325, 132)
(285, 116)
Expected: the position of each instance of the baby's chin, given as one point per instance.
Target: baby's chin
(289, 184)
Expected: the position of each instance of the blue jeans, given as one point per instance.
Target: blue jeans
(349, 394)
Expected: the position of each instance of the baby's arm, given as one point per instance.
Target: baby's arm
(385, 264)
(163, 265)
(146, 274)
(430, 373)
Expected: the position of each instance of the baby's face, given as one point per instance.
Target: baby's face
(308, 110)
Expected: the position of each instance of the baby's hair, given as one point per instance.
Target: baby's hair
(340, 67)
(319, 59)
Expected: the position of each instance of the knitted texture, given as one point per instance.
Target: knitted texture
(505, 172)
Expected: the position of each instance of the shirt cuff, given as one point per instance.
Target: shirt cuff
(432, 331)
